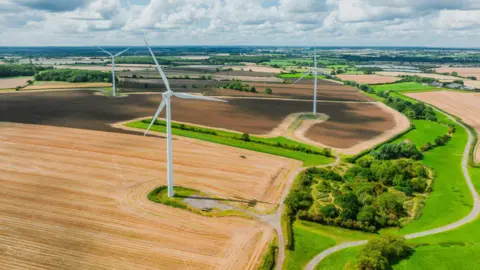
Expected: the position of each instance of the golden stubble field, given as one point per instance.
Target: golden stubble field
(76, 199)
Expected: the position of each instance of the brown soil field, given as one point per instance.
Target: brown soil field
(462, 71)
(6, 83)
(81, 203)
(154, 85)
(359, 121)
(326, 91)
(65, 85)
(463, 105)
(343, 133)
(368, 79)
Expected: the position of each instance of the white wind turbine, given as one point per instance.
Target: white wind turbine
(113, 67)
(315, 72)
(166, 98)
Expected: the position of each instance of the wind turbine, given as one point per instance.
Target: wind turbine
(315, 72)
(113, 67)
(166, 98)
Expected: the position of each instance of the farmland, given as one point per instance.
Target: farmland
(254, 116)
(463, 105)
(6, 83)
(462, 71)
(368, 79)
(86, 206)
(404, 87)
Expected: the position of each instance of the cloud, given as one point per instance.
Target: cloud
(53, 5)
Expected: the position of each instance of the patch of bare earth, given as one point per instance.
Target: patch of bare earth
(463, 105)
(462, 71)
(76, 199)
(368, 79)
(346, 136)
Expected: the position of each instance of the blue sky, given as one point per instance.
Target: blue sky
(436, 23)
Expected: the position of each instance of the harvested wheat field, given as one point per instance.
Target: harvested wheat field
(462, 71)
(463, 105)
(6, 83)
(76, 199)
(368, 79)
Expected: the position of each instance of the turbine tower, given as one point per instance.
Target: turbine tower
(114, 89)
(315, 72)
(166, 98)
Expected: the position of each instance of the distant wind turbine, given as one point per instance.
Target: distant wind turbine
(114, 90)
(315, 72)
(166, 98)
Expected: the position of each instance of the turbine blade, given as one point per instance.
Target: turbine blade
(159, 68)
(188, 96)
(120, 53)
(303, 76)
(160, 109)
(104, 51)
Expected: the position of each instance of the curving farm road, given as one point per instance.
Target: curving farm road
(470, 217)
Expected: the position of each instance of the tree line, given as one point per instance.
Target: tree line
(10, 70)
(74, 75)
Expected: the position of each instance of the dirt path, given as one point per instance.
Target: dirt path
(470, 217)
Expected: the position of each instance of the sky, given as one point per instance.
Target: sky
(429, 23)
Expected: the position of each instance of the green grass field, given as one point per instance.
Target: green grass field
(338, 260)
(423, 128)
(404, 87)
(228, 138)
(311, 239)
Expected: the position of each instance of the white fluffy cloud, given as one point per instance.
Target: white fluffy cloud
(229, 22)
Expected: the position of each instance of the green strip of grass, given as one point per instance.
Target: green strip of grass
(338, 260)
(404, 87)
(425, 131)
(230, 138)
(311, 239)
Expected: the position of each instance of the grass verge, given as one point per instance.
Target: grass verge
(279, 146)
(270, 257)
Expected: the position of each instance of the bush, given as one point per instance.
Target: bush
(381, 253)
(268, 91)
(391, 151)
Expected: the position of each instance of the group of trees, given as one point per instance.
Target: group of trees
(239, 86)
(370, 70)
(362, 199)
(379, 254)
(74, 75)
(439, 141)
(411, 110)
(391, 151)
(9, 70)
(221, 60)
(408, 78)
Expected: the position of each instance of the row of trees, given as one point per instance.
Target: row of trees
(412, 110)
(239, 86)
(20, 70)
(74, 75)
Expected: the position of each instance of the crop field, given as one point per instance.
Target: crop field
(372, 119)
(82, 202)
(104, 68)
(368, 79)
(157, 85)
(462, 71)
(255, 116)
(404, 87)
(463, 105)
(246, 73)
(6, 83)
(65, 85)
(426, 75)
(255, 68)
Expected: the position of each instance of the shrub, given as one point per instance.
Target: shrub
(268, 91)
(245, 137)
(397, 150)
(381, 253)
